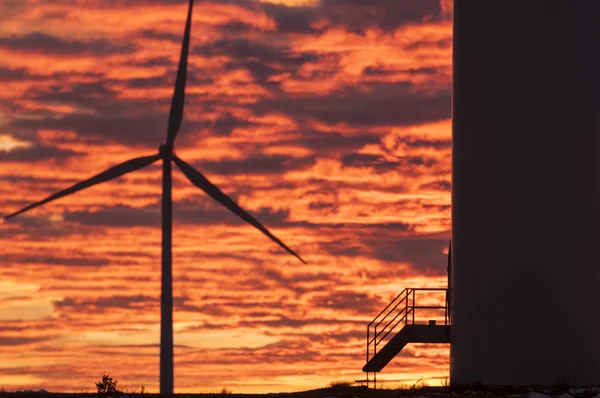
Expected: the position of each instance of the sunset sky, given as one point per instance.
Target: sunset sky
(329, 120)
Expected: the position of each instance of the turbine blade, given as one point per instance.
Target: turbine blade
(214, 192)
(176, 113)
(113, 172)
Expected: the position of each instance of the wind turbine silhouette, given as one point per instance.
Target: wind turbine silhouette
(166, 154)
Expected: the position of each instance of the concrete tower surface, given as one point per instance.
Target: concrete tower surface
(526, 192)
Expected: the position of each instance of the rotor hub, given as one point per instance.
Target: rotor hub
(165, 150)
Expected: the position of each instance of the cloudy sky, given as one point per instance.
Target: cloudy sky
(327, 119)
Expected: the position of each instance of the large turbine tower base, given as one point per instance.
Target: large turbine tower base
(526, 193)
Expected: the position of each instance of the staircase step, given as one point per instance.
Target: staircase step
(409, 334)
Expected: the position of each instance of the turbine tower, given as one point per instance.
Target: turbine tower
(526, 193)
(168, 156)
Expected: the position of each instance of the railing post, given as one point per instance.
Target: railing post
(413, 307)
(368, 329)
(375, 341)
(446, 310)
(406, 306)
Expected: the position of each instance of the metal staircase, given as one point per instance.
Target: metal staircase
(399, 324)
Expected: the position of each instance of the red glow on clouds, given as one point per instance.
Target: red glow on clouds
(328, 120)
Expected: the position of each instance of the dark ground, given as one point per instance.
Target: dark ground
(355, 392)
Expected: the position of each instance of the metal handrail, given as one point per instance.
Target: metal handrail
(393, 319)
(406, 300)
(374, 340)
(404, 318)
(391, 302)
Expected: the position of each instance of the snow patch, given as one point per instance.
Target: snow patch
(565, 395)
(534, 394)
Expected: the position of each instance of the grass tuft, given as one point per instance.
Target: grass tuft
(340, 384)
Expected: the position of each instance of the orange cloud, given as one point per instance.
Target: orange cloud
(332, 126)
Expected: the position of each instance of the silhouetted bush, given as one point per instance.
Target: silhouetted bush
(107, 386)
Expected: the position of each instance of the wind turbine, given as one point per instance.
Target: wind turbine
(166, 154)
